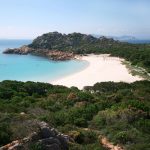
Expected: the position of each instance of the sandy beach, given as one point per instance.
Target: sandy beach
(101, 68)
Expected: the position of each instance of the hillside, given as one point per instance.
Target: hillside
(117, 111)
(75, 42)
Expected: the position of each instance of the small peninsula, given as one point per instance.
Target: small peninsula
(57, 46)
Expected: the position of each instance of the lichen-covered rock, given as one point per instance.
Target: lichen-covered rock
(46, 138)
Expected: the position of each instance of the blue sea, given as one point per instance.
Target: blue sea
(33, 68)
(138, 41)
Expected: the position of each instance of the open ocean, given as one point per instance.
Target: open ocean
(33, 68)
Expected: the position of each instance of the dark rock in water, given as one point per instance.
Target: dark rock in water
(46, 138)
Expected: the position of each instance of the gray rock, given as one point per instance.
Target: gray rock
(46, 137)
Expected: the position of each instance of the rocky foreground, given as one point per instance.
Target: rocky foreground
(46, 138)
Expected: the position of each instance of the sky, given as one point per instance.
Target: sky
(27, 19)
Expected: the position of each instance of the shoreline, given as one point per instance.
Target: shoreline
(70, 73)
(101, 68)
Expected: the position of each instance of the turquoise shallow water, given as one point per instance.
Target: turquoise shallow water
(33, 68)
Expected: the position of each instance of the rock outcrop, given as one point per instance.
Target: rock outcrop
(46, 138)
(22, 50)
(51, 54)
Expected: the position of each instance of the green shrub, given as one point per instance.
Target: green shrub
(81, 122)
(5, 134)
(84, 96)
(122, 137)
(36, 146)
(86, 137)
(129, 136)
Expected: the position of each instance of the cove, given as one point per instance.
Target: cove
(33, 68)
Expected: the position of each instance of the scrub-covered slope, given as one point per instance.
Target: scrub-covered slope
(116, 111)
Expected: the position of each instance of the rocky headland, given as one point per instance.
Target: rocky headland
(59, 46)
(51, 54)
